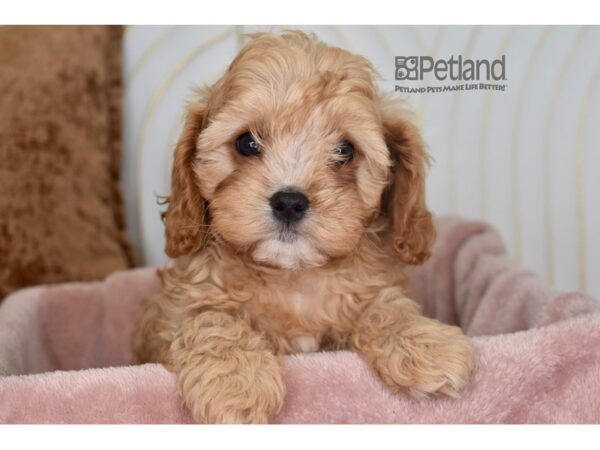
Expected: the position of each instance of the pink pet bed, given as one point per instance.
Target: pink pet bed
(64, 351)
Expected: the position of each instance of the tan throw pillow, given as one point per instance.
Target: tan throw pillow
(61, 211)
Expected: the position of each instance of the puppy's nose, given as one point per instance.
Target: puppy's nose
(289, 206)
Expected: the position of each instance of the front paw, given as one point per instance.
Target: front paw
(245, 390)
(420, 357)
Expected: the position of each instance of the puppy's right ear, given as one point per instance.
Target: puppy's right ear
(185, 217)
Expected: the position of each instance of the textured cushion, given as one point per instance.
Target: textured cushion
(61, 212)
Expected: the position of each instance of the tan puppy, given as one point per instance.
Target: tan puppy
(297, 197)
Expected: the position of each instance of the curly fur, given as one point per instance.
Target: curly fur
(236, 297)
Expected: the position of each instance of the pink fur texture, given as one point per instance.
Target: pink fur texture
(64, 351)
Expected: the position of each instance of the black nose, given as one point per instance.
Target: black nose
(288, 206)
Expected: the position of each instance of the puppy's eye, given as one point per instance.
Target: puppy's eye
(246, 145)
(344, 153)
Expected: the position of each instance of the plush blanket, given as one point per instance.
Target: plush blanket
(64, 351)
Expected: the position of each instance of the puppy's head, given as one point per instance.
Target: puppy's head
(291, 155)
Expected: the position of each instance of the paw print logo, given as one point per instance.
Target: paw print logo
(407, 68)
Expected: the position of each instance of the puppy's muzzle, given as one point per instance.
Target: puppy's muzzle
(289, 206)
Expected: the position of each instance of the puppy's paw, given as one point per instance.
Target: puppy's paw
(245, 390)
(421, 357)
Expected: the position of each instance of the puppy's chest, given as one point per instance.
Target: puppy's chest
(307, 302)
(301, 313)
(309, 305)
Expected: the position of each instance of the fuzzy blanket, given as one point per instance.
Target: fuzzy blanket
(64, 351)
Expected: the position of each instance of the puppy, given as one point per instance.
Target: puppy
(297, 199)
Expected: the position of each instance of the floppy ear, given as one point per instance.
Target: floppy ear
(413, 229)
(185, 217)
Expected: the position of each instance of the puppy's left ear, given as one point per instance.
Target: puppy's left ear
(413, 228)
(185, 217)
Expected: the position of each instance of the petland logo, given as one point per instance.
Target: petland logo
(416, 68)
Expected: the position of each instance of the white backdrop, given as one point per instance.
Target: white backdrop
(527, 159)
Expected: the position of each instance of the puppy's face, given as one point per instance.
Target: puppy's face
(287, 155)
